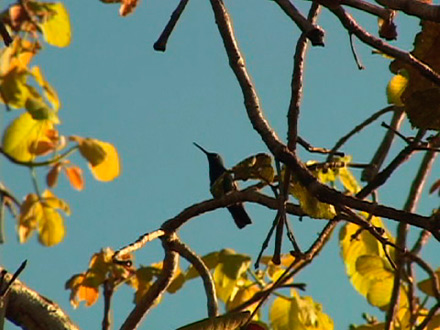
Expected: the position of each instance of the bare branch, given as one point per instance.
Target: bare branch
(310, 31)
(161, 43)
(169, 269)
(297, 81)
(421, 9)
(381, 153)
(384, 13)
(28, 309)
(201, 268)
(357, 129)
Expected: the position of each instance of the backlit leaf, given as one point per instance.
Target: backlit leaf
(109, 169)
(426, 285)
(75, 176)
(81, 292)
(14, 89)
(366, 264)
(50, 227)
(298, 313)
(255, 167)
(49, 91)
(53, 174)
(30, 214)
(396, 87)
(22, 133)
(54, 202)
(56, 25)
(310, 204)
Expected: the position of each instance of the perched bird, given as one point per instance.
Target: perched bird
(216, 169)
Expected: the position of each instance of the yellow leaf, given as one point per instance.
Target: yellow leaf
(30, 215)
(56, 25)
(396, 87)
(109, 169)
(90, 149)
(54, 202)
(50, 227)
(229, 274)
(298, 313)
(14, 90)
(244, 293)
(426, 285)
(22, 133)
(255, 167)
(49, 91)
(366, 264)
(310, 204)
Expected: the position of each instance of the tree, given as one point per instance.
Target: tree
(380, 265)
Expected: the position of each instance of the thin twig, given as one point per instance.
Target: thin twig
(428, 317)
(17, 273)
(303, 143)
(199, 265)
(382, 151)
(355, 55)
(384, 175)
(357, 129)
(266, 241)
(39, 164)
(161, 43)
(108, 293)
(353, 27)
(297, 82)
(136, 245)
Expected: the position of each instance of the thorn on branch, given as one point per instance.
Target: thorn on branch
(8, 285)
(161, 43)
(355, 55)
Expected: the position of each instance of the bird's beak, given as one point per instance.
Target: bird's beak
(201, 148)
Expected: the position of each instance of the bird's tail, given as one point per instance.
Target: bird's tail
(241, 218)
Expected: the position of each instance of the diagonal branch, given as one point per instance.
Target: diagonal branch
(156, 291)
(199, 265)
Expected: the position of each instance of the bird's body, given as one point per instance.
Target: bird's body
(217, 169)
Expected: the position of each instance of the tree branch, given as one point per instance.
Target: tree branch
(153, 295)
(28, 309)
(178, 246)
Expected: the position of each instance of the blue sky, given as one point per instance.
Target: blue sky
(152, 106)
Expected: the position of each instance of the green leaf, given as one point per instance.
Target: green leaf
(255, 167)
(39, 110)
(223, 322)
(56, 24)
(298, 313)
(14, 90)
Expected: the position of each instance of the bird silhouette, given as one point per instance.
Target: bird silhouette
(216, 169)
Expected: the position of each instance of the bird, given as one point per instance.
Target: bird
(216, 169)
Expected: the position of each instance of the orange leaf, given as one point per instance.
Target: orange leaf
(81, 292)
(74, 174)
(52, 175)
(41, 148)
